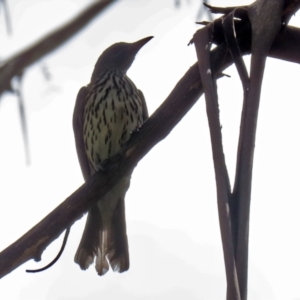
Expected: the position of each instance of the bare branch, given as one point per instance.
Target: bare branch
(159, 125)
(264, 31)
(16, 64)
(203, 41)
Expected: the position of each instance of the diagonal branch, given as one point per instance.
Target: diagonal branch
(16, 64)
(159, 125)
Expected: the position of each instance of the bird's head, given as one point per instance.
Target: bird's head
(118, 57)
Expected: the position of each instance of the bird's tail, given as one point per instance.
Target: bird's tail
(114, 243)
(105, 239)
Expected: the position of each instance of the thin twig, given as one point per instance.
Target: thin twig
(22, 112)
(8, 22)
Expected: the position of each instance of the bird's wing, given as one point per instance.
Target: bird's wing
(78, 131)
(144, 106)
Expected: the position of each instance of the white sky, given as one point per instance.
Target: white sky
(172, 222)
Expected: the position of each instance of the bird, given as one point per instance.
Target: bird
(107, 111)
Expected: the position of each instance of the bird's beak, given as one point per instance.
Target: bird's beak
(139, 44)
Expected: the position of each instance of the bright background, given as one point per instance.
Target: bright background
(172, 221)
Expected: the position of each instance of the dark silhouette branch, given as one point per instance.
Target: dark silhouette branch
(264, 30)
(159, 125)
(15, 65)
(240, 205)
(267, 18)
(203, 42)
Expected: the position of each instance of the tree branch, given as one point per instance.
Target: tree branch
(203, 41)
(16, 64)
(159, 125)
(264, 31)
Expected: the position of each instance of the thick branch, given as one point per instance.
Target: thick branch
(16, 64)
(159, 125)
